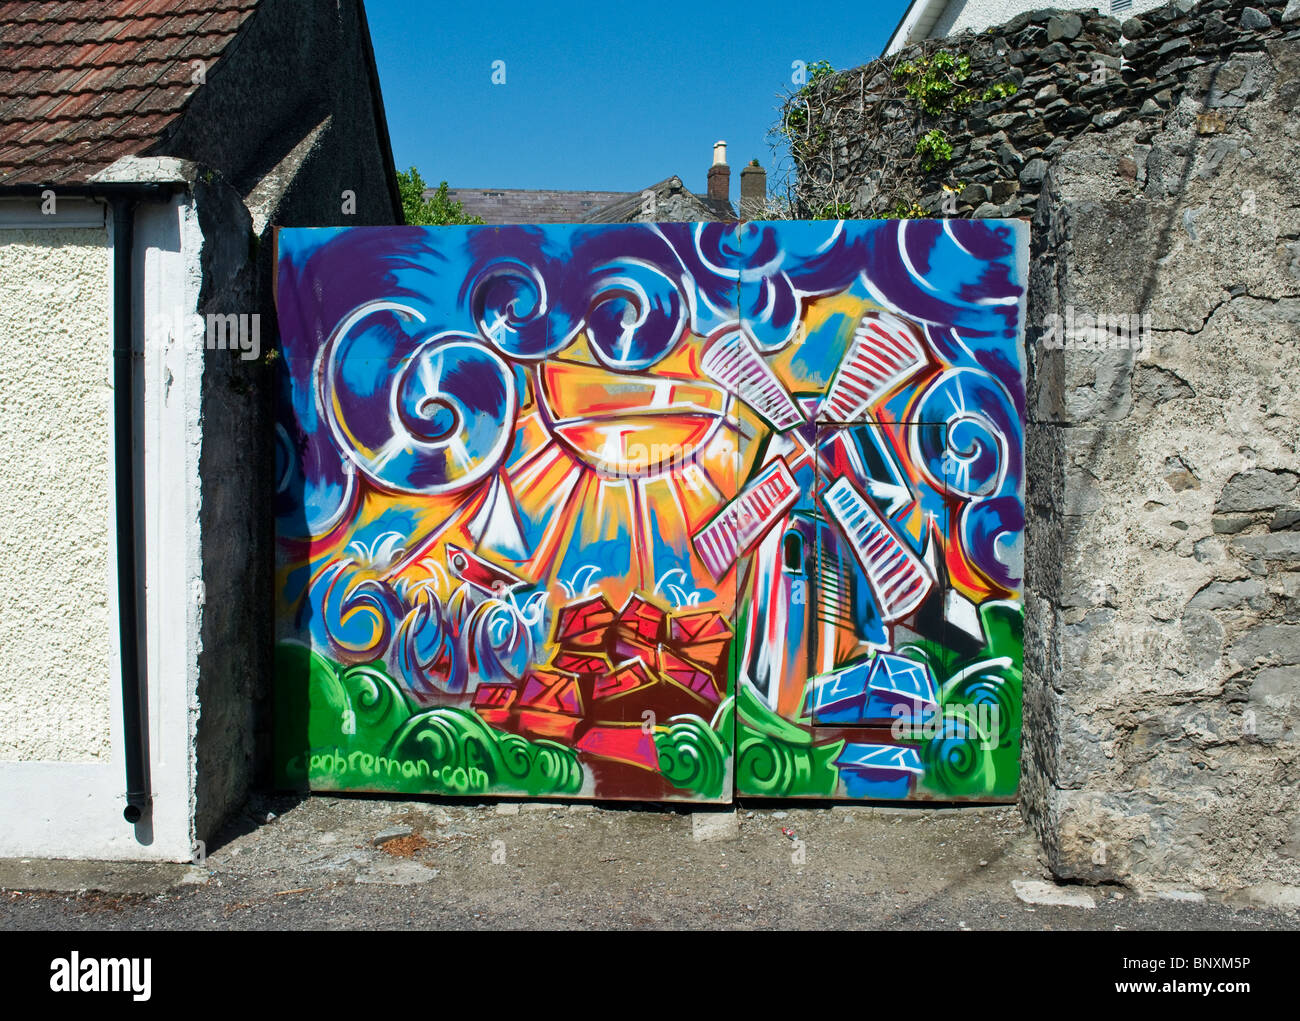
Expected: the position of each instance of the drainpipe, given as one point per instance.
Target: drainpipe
(122, 197)
(134, 683)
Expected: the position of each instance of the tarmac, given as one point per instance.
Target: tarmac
(357, 862)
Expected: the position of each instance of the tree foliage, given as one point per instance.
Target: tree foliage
(435, 210)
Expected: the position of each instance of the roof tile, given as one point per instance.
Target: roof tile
(84, 83)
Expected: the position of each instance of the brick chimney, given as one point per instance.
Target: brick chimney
(753, 191)
(720, 174)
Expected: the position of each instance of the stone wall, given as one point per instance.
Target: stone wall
(1162, 646)
(853, 134)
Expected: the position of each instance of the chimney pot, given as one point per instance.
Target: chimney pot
(753, 192)
(720, 174)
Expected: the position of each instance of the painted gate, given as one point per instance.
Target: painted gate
(651, 511)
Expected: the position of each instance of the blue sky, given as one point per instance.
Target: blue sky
(600, 96)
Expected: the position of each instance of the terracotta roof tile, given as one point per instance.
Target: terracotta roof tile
(84, 83)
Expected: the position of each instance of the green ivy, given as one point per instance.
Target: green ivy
(999, 90)
(834, 211)
(906, 211)
(935, 79)
(818, 70)
(936, 83)
(934, 149)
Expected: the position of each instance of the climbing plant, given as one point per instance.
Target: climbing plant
(935, 79)
(936, 82)
(934, 149)
(834, 211)
(819, 70)
(891, 92)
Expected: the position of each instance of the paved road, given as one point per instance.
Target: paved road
(314, 863)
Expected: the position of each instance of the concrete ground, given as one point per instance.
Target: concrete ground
(359, 862)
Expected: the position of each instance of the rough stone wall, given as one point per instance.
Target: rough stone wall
(1162, 645)
(853, 134)
(56, 417)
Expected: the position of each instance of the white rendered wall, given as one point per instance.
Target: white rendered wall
(50, 804)
(56, 413)
(978, 15)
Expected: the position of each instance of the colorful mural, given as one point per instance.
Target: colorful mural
(651, 511)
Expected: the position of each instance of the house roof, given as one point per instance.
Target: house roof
(520, 205)
(84, 83)
(672, 202)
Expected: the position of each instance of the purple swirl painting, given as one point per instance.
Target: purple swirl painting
(651, 511)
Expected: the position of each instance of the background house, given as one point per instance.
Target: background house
(934, 19)
(667, 201)
(146, 152)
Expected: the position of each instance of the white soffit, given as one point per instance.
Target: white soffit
(27, 213)
(917, 23)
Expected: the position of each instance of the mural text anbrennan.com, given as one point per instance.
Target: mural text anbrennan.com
(652, 511)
